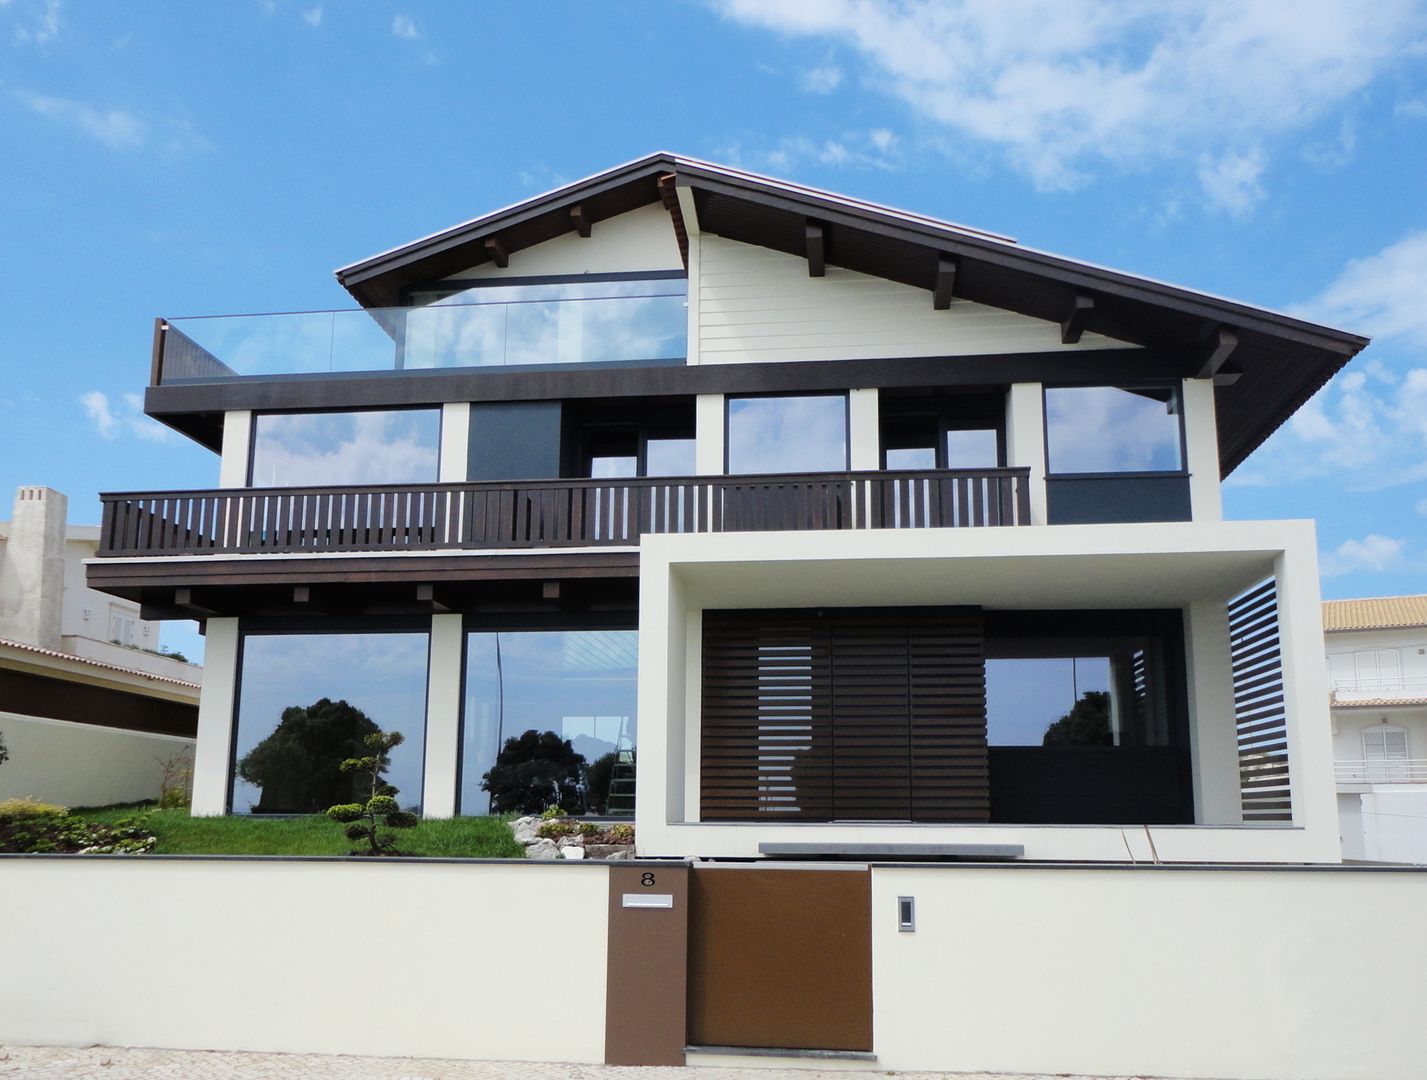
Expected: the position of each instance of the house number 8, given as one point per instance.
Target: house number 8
(647, 880)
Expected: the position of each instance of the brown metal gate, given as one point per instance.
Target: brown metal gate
(780, 957)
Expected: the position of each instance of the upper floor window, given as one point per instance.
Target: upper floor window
(397, 446)
(478, 323)
(1113, 429)
(787, 434)
(955, 431)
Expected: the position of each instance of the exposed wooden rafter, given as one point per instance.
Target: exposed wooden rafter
(1073, 325)
(816, 248)
(945, 286)
(669, 196)
(496, 252)
(185, 599)
(435, 599)
(1222, 343)
(579, 221)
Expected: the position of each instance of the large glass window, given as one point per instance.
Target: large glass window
(306, 702)
(398, 446)
(478, 324)
(1112, 429)
(787, 434)
(550, 718)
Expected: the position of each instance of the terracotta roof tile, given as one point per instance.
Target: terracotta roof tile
(4, 643)
(1375, 613)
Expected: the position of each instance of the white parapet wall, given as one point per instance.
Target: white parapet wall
(1236, 973)
(56, 761)
(503, 962)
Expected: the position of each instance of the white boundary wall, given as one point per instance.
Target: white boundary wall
(57, 761)
(1234, 973)
(430, 959)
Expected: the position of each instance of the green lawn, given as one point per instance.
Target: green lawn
(179, 834)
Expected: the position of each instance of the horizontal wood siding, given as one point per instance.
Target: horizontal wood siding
(756, 304)
(844, 715)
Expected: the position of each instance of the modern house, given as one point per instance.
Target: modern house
(839, 530)
(1377, 670)
(90, 707)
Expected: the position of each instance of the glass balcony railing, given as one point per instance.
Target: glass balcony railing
(645, 323)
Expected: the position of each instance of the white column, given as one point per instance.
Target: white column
(237, 448)
(1213, 735)
(455, 442)
(443, 717)
(691, 228)
(864, 430)
(1025, 441)
(1201, 441)
(1305, 693)
(212, 765)
(709, 434)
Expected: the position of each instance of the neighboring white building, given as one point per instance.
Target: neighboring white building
(89, 706)
(1377, 672)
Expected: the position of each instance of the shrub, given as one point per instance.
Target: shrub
(363, 820)
(298, 765)
(552, 812)
(176, 780)
(29, 826)
(4, 750)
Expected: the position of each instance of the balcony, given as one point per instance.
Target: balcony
(1388, 687)
(550, 513)
(1360, 773)
(500, 328)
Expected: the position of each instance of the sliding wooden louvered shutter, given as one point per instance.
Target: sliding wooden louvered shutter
(861, 715)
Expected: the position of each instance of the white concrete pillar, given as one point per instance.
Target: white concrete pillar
(1213, 734)
(32, 568)
(1201, 442)
(443, 717)
(1305, 693)
(237, 448)
(709, 432)
(1025, 440)
(455, 442)
(864, 432)
(212, 764)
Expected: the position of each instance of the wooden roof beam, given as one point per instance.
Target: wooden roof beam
(669, 196)
(495, 251)
(945, 286)
(816, 248)
(1073, 325)
(1222, 343)
(187, 599)
(579, 221)
(434, 599)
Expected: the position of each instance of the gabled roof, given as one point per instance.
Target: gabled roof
(1375, 613)
(1266, 364)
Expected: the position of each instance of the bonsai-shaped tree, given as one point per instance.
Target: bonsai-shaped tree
(1086, 724)
(533, 771)
(381, 806)
(297, 766)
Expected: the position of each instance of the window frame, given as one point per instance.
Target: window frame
(1176, 387)
(253, 441)
(846, 397)
(308, 625)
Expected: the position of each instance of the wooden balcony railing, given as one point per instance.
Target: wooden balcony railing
(551, 513)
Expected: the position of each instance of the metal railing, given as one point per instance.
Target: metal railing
(551, 513)
(1393, 771)
(1385, 686)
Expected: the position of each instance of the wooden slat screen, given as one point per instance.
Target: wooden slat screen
(862, 715)
(1259, 712)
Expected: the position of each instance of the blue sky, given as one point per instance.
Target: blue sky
(172, 158)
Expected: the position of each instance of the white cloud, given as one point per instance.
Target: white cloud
(313, 17)
(1066, 86)
(1373, 552)
(45, 27)
(404, 27)
(1384, 295)
(126, 417)
(875, 149)
(1422, 507)
(96, 407)
(823, 79)
(115, 127)
(1233, 183)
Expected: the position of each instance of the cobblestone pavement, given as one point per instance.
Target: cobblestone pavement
(118, 1063)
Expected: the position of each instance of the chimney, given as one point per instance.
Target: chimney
(32, 568)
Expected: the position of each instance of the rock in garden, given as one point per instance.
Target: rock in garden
(542, 849)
